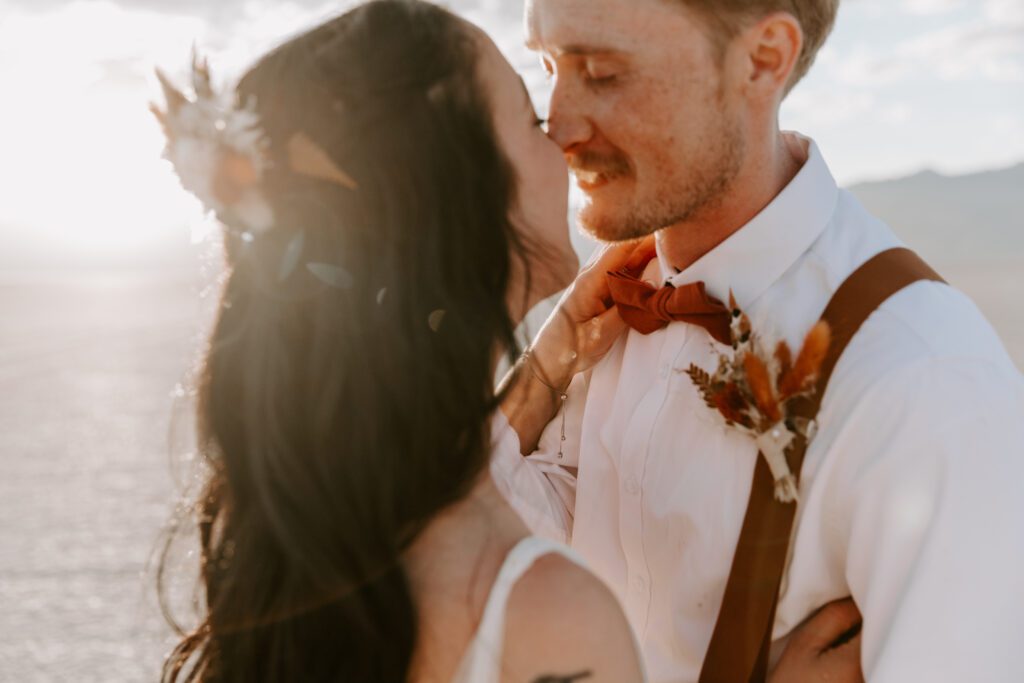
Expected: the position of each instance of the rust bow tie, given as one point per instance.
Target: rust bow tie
(647, 309)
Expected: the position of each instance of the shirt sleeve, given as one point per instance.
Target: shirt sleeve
(541, 487)
(932, 512)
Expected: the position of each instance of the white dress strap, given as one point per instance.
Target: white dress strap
(482, 661)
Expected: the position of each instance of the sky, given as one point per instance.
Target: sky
(902, 85)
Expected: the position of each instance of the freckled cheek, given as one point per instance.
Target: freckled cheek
(637, 127)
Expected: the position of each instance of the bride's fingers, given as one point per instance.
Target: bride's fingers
(624, 254)
(615, 257)
(643, 252)
(604, 330)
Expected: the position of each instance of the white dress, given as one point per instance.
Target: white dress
(482, 661)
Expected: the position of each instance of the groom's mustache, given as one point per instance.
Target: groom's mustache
(608, 165)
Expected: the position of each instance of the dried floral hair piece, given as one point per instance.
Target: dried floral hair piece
(220, 151)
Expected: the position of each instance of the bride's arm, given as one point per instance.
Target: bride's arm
(563, 625)
(535, 470)
(580, 331)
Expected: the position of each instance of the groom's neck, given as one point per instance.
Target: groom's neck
(767, 169)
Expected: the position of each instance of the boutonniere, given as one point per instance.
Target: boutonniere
(754, 389)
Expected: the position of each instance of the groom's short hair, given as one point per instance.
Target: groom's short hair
(727, 17)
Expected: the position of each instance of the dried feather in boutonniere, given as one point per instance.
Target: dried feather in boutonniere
(754, 390)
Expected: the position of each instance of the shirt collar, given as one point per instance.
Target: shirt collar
(754, 257)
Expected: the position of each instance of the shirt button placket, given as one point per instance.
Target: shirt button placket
(631, 486)
(631, 511)
(635, 452)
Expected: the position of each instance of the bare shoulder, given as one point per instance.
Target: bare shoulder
(564, 625)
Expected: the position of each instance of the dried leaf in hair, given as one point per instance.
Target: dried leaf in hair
(331, 275)
(201, 81)
(292, 254)
(235, 174)
(808, 364)
(306, 158)
(161, 117)
(435, 319)
(175, 98)
(760, 384)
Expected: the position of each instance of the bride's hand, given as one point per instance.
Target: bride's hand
(813, 654)
(579, 332)
(585, 323)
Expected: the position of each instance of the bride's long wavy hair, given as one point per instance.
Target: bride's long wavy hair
(338, 414)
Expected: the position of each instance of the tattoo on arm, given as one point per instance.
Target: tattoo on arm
(565, 679)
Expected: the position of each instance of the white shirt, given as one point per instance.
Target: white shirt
(912, 492)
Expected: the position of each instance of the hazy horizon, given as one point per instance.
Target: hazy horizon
(177, 252)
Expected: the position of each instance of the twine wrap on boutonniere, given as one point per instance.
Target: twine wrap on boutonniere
(755, 389)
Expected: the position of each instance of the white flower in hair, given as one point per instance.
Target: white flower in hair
(217, 149)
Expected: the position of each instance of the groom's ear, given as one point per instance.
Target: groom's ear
(772, 49)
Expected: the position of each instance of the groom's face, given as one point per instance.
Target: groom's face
(642, 109)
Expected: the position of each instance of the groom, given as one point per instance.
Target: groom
(910, 493)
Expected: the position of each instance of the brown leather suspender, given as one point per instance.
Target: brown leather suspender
(742, 637)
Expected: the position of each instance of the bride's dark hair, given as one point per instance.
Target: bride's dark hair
(344, 397)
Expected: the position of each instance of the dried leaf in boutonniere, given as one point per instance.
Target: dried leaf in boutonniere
(754, 390)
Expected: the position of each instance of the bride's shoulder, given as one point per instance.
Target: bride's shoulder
(564, 624)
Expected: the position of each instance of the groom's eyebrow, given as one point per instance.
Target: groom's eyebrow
(576, 50)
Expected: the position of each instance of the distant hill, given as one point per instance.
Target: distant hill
(954, 219)
(971, 229)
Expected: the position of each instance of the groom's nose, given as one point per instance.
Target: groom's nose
(568, 124)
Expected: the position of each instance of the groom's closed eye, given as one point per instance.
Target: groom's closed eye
(593, 64)
(598, 72)
(565, 679)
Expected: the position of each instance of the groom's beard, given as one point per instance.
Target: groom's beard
(698, 186)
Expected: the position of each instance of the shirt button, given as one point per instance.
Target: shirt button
(666, 369)
(639, 584)
(632, 487)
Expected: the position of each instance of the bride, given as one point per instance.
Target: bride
(392, 209)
